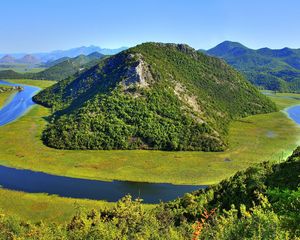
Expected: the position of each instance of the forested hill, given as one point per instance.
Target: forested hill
(152, 96)
(61, 70)
(262, 202)
(271, 69)
(69, 67)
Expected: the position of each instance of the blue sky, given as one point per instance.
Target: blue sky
(43, 25)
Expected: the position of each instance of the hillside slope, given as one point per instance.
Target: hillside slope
(152, 96)
(262, 202)
(55, 62)
(277, 70)
(69, 67)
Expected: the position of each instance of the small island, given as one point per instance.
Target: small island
(18, 88)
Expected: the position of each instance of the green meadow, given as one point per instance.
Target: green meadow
(4, 97)
(43, 207)
(252, 140)
(39, 83)
(285, 100)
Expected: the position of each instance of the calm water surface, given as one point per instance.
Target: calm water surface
(294, 113)
(37, 182)
(18, 105)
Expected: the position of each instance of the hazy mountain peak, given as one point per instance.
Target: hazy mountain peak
(96, 55)
(7, 59)
(71, 53)
(29, 59)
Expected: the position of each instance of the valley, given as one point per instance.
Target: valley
(27, 151)
(150, 120)
(104, 176)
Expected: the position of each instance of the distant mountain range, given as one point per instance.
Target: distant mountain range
(59, 69)
(26, 59)
(54, 55)
(277, 69)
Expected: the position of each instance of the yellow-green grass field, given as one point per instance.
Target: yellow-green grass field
(285, 100)
(252, 140)
(43, 207)
(39, 83)
(4, 97)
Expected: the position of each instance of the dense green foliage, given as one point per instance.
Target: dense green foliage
(59, 70)
(262, 202)
(11, 74)
(69, 67)
(55, 62)
(245, 187)
(277, 70)
(153, 96)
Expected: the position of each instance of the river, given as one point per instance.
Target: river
(38, 182)
(18, 105)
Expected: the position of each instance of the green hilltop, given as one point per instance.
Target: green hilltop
(277, 70)
(152, 96)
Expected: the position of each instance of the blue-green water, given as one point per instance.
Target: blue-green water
(18, 105)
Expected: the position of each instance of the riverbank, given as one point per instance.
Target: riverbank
(4, 97)
(43, 207)
(249, 138)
